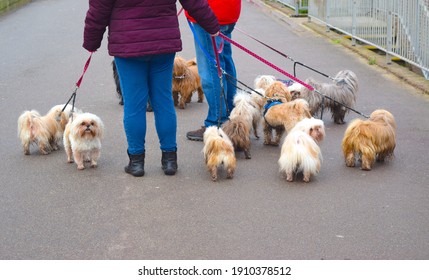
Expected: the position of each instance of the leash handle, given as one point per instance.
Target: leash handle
(84, 70)
(266, 62)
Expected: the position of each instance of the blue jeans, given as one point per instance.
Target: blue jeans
(209, 74)
(143, 78)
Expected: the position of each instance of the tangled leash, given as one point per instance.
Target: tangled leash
(288, 75)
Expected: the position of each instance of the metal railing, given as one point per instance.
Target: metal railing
(296, 5)
(398, 27)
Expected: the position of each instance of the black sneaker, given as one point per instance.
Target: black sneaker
(196, 135)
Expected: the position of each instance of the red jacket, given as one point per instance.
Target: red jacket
(226, 11)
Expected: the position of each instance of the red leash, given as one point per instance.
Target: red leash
(84, 70)
(266, 62)
(73, 96)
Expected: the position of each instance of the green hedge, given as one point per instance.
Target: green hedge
(8, 5)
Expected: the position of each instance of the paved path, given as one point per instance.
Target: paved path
(49, 210)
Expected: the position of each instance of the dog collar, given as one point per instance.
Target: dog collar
(180, 77)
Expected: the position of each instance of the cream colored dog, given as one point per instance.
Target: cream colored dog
(82, 139)
(45, 131)
(300, 151)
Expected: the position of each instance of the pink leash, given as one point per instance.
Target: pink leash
(73, 96)
(266, 62)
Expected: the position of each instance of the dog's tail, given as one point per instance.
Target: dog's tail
(28, 125)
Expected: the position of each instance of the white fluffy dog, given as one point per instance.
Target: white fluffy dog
(263, 81)
(82, 139)
(300, 151)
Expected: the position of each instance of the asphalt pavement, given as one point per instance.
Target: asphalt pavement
(50, 210)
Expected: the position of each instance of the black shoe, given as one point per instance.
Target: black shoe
(136, 165)
(196, 135)
(169, 162)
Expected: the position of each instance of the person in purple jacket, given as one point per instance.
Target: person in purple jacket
(143, 38)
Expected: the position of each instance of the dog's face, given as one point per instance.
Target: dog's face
(313, 127)
(295, 90)
(87, 126)
(179, 67)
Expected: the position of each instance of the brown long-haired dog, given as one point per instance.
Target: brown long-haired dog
(343, 89)
(282, 117)
(185, 81)
(218, 150)
(45, 131)
(371, 140)
(238, 131)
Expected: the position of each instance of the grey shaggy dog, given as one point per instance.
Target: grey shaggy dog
(342, 91)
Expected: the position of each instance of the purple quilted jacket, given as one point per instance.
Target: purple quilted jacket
(142, 27)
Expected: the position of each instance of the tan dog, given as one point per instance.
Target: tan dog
(238, 131)
(185, 81)
(372, 139)
(279, 91)
(82, 139)
(218, 150)
(283, 117)
(46, 131)
(300, 151)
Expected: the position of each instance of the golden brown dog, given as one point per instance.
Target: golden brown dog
(282, 117)
(185, 81)
(218, 151)
(45, 131)
(371, 140)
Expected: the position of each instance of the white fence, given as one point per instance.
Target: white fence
(398, 27)
(295, 4)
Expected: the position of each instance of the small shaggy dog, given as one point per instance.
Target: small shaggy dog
(279, 91)
(282, 117)
(82, 139)
(45, 131)
(370, 140)
(218, 150)
(342, 91)
(238, 131)
(300, 151)
(245, 116)
(263, 81)
(185, 81)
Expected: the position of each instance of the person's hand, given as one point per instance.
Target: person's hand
(214, 35)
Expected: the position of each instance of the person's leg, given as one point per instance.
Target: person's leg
(230, 80)
(133, 76)
(209, 77)
(161, 99)
(134, 80)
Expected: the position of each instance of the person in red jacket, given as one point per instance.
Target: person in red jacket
(144, 37)
(227, 13)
